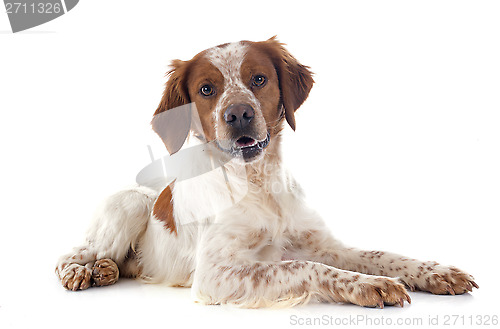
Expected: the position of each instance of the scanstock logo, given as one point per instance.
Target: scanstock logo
(24, 15)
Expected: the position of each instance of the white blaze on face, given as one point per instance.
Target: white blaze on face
(228, 59)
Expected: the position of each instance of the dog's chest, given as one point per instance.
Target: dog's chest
(270, 242)
(275, 250)
(270, 252)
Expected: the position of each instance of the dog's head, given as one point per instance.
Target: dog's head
(243, 91)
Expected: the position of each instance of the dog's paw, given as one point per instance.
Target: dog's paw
(104, 272)
(444, 280)
(76, 277)
(379, 291)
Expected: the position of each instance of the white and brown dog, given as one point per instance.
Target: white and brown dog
(267, 247)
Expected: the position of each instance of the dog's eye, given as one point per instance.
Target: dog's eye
(259, 80)
(207, 90)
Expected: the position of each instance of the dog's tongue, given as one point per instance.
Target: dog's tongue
(246, 142)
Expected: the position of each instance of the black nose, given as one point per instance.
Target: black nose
(239, 115)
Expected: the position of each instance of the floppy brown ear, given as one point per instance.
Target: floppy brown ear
(171, 120)
(295, 79)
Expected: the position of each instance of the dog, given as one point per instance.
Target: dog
(242, 233)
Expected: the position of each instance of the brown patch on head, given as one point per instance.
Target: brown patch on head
(258, 64)
(203, 73)
(168, 128)
(176, 92)
(185, 78)
(163, 209)
(295, 79)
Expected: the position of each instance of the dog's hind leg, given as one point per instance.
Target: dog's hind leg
(111, 240)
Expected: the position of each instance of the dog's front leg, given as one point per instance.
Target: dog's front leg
(228, 271)
(422, 275)
(317, 245)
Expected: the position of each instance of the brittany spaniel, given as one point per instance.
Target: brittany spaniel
(239, 232)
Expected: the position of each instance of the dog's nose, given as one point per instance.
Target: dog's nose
(239, 115)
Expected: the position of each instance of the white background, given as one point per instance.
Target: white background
(398, 145)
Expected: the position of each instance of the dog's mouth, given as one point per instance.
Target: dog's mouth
(247, 146)
(246, 142)
(250, 147)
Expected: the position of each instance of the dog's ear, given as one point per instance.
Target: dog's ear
(172, 120)
(295, 79)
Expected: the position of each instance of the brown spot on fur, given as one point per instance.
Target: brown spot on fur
(306, 235)
(257, 275)
(163, 209)
(298, 265)
(325, 284)
(256, 238)
(344, 281)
